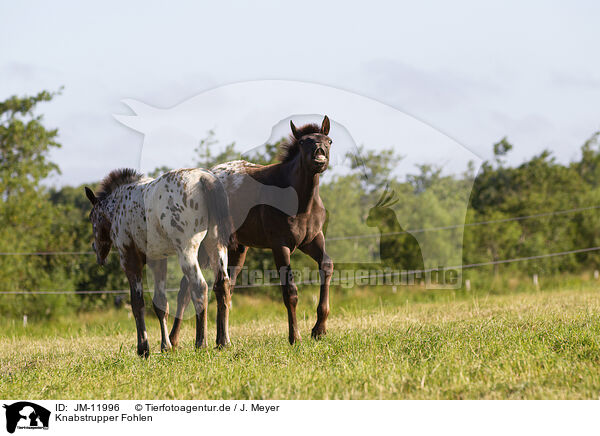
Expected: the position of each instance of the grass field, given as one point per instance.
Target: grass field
(381, 345)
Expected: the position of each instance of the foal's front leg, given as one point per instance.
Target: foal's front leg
(134, 276)
(288, 289)
(235, 260)
(316, 250)
(183, 299)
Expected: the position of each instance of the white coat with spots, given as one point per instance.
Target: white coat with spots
(149, 219)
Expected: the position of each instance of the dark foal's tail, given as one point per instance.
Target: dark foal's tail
(219, 215)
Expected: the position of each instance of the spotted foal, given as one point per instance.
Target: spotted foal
(149, 219)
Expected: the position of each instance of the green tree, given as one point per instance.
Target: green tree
(28, 222)
(158, 171)
(24, 147)
(589, 166)
(266, 155)
(538, 185)
(206, 157)
(376, 167)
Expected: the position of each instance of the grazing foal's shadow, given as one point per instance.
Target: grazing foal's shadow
(398, 249)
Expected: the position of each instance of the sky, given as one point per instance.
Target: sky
(473, 72)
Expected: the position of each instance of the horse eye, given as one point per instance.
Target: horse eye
(330, 142)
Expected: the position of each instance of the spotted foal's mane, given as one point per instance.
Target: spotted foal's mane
(290, 148)
(116, 178)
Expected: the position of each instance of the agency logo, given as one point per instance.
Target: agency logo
(417, 228)
(26, 415)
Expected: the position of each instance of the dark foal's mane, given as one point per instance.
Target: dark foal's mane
(116, 178)
(290, 148)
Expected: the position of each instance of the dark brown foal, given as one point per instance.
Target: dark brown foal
(278, 207)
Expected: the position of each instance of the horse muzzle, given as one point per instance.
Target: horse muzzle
(320, 159)
(101, 261)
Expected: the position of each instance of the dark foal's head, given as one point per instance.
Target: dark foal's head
(382, 215)
(312, 144)
(101, 228)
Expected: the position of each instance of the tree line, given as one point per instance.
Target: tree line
(37, 218)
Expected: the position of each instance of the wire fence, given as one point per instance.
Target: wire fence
(371, 235)
(316, 282)
(478, 223)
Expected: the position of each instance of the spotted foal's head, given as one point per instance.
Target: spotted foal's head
(101, 228)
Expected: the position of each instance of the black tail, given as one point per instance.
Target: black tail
(218, 211)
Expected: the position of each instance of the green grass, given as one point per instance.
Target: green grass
(414, 344)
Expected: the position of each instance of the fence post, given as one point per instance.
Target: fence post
(536, 282)
(24, 320)
(596, 274)
(468, 285)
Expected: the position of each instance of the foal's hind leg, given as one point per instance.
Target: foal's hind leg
(218, 260)
(223, 297)
(188, 259)
(161, 305)
(183, 299)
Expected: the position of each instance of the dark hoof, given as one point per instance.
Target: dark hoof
(293, 339)
(222, 341)
(318, 332)
(201, 345)
(222, 346)
(143, 350)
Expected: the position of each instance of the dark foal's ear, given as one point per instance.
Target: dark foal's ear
(91, 196)
(325, 126)
(294, 131)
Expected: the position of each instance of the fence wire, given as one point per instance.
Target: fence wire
(316, 282)
(340, 238)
